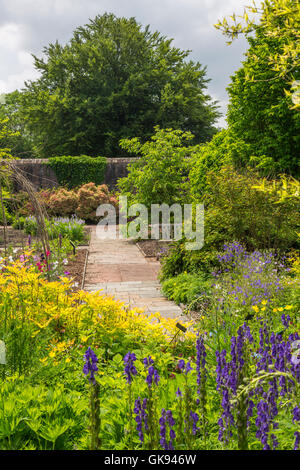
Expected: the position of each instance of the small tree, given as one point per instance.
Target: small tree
(161, 174)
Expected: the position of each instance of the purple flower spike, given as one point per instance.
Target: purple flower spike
(129, 369)
(152, 377)
(182, 366)
(90, 366)
(141, 417)
(167, 419)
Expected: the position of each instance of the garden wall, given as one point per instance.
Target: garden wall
(43, 177)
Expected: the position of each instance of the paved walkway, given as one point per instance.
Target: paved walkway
(118, 268)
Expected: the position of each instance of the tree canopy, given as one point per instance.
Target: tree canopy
(17, 137)
(114, 80)
(261, 111)
(276, 19)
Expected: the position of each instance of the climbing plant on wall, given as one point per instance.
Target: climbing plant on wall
(72, 171)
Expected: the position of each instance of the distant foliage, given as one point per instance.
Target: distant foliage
(260, 214)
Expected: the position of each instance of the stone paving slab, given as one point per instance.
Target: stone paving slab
(118, 268)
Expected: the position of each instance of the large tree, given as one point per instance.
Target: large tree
(114, 80)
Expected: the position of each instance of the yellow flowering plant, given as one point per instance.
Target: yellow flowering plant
(41, 319)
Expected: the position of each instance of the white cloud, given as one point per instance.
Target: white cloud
(12, 36)
(16, 81)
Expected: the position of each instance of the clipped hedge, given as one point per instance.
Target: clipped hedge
(72, 171)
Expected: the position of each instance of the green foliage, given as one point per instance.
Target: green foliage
(225, 148)
(175, 262)
(160, 175)
(114, 80)
(179, 260)
(19, 140)
(186, 287)
(5, 134)
(279, 19)
(19, 205)
(39, 418)
(260, 214)
(72, 229)
(18, 223)
(237, 210)
(5, 196)
(260, 111)
(76, 171)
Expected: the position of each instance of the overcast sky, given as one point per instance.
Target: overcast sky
(26, 26)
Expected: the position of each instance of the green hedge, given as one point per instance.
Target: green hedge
(76, 171)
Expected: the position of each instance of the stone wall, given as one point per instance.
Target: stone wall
(43, 177)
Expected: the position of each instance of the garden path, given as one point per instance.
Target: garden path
(119, 269)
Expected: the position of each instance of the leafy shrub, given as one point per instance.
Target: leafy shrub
(179, 260)
(186, 287)
(76, 171)
(8, 216)
(63, 202)
(71, 228)
(259, 214)
(19, 205)
(37, 417)
(18, 223)
(5, 197)
(90, 197)
(224, 149)
(30, 225)
(237, 210)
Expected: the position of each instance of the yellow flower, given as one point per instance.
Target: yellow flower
(288, 307)
(264, 302)
(255, 308)
(280, 309)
